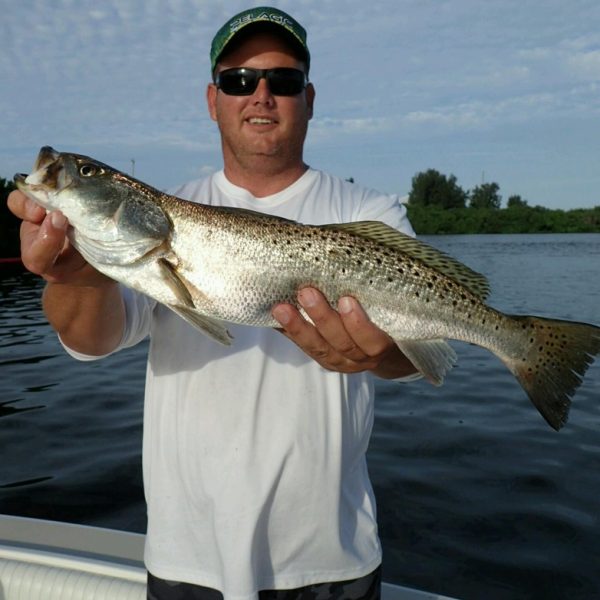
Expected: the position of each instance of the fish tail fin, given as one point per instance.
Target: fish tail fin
(556, 356)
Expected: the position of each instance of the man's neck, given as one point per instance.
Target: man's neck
(262, 183)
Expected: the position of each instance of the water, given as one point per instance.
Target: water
(478, 497)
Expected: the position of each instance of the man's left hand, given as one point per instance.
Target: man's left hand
(345, 340)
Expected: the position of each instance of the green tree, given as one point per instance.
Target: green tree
(486, 195)
(432, 188)
(515, 201)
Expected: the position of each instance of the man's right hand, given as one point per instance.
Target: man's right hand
(82, 305)
(45, 249)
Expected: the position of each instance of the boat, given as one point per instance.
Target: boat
(49, 560)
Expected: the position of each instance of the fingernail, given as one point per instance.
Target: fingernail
(307, 298)
(345, 305)
(58, 220)
(281, 315)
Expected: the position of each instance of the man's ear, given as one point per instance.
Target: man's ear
(310, 98)
(211, 100)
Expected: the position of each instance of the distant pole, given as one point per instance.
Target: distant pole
(133, 167)
(482, 177)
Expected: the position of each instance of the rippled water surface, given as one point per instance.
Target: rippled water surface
(478, 498)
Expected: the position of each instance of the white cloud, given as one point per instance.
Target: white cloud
(130, 75)
(585, 64)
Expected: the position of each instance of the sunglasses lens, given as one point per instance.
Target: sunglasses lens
(286, 82)
(243, 81)
(238, 82)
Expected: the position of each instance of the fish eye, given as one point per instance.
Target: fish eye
(88, 170)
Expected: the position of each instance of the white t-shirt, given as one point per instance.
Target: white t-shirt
(254, 455)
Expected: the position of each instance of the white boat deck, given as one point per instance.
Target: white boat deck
(46, 560)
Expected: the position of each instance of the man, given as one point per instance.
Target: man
(254, 455)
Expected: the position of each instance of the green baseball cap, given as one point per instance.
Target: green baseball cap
(279, 20)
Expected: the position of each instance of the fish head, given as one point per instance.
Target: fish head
(77, 185)
(110, 214)
(42, 181)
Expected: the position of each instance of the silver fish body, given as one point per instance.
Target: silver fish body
(213, 265)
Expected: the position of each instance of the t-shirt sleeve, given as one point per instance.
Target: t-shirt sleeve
(388, 208)
(138, 318)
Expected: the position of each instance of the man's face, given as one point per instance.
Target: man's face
(261, 131)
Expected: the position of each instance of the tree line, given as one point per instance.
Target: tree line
(438, 205)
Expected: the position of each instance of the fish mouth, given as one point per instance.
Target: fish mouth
(19, 179)
(45, 157)
(46, 170)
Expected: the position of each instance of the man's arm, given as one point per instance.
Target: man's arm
(345, 340)
(83, 306)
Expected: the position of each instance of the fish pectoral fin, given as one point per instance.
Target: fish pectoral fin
(186, 309)
(432, 358)
(177, 284)
(211, 327)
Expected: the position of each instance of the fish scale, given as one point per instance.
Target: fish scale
(213, 265)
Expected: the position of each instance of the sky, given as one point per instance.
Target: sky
(486, 90)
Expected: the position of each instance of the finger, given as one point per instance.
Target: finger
(42, 244)
(24, 208)
(304, 334)
(365, 334)
(329, 324)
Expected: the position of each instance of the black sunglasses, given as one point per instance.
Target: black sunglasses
(243, 81)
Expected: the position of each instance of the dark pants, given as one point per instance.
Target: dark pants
(363, 588)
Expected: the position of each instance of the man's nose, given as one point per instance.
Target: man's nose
(262, 92)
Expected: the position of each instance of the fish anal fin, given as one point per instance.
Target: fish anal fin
(432, 358)
(381, 233)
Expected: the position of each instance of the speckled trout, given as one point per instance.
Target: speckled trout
(213, 265)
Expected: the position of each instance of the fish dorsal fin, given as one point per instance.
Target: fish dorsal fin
(381, 233)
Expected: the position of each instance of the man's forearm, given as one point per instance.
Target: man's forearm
(89, 319)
